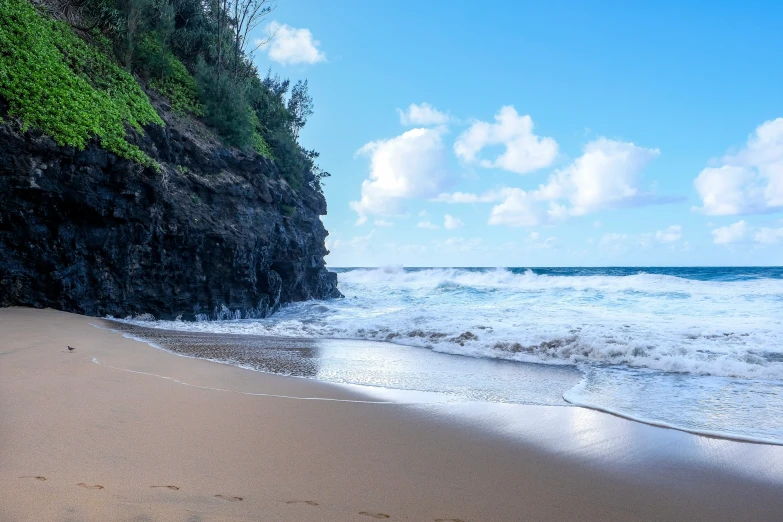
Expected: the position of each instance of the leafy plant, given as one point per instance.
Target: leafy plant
(261, 146)
(55, 82)
(167, 75)
(225, 106)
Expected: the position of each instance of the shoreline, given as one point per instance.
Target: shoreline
(566, 401)
(74, 422)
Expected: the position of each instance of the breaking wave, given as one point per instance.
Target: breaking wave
(705, 321)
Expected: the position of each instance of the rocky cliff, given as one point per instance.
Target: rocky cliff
(214, 232)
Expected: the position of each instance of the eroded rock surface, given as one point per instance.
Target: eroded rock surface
(216, 232)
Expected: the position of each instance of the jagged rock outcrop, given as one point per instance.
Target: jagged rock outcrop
(215, 232)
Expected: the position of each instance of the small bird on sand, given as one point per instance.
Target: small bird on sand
(71, 348)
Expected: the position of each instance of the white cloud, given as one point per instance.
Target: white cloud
(427, 224)
(412, 165)
(525, 152)
(730, 234)
(290, 46)
(749, 182)
(728, 191)
(355, 243)
(467, 197)
(382, 223)
(517, 209)
(607, 175)
(768, 236)
(742, 232)
(422, 114)
(452, 223)
(671, 234)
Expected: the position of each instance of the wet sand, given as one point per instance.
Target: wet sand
(119, 430)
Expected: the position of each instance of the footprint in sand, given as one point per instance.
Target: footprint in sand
(37, 477)
(308, 502)
(229, 498)
(173, 488)
(87, 486)
(379, 516)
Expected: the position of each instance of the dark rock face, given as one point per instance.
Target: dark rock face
(217, 232)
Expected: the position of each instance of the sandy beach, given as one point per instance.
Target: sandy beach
(119, 430)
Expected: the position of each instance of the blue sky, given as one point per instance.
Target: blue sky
(543, 134)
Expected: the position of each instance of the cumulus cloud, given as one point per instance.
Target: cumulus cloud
(291, 46)
(382, 223)
(735, 233)
(742, 232)
(671, 234)
(517, 209)
(422, 114)
(427, 224)
(606, 175)
(452, 223)
(749, 182)
(524, 151)
(412, 165)
(768, 236)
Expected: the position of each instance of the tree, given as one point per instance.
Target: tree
(236, 19)
(248, 14)
(300, 107)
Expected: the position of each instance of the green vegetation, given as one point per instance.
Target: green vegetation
(167, 75)
(55, 82)
(260, 145)
(78, 80)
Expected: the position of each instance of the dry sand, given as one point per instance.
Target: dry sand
(86, 441)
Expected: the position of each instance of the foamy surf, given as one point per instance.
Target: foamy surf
(700, 324)
(727, 328)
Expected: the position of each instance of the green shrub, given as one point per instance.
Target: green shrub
(179, 87)
(167, 75)
(55, 82)
(261, 146)
(225, 106)
(149, 57)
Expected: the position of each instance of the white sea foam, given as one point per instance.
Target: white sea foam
(715, 327)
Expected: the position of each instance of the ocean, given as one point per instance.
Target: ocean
(696, 349)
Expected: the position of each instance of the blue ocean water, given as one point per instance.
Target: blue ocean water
(699, 349)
